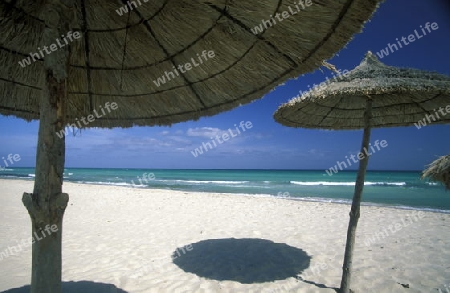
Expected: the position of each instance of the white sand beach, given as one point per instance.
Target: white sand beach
(124, 239)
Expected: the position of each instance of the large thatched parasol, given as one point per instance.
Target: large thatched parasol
(118, 58)
(371, 95)
(439, 170)
(83, 56)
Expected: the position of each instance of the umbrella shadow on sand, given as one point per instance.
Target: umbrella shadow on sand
(76, 287)
(246, 261)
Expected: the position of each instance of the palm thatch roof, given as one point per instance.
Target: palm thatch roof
(439, 170)
(400, 97)
(118, 57)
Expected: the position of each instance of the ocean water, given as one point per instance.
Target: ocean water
(387, 188)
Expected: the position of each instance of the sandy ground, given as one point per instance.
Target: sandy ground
(118, 240)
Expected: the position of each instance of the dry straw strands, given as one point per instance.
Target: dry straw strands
(439, 170)
(117, 57)
(400, 96)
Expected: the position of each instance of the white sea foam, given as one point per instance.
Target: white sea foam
(329, 183)
(108, 183)
(212, 182)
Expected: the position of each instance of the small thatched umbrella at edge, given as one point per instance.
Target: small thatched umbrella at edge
(371, 95)
(439, 170)
(116, 60)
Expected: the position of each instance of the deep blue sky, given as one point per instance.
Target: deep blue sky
(268, 145)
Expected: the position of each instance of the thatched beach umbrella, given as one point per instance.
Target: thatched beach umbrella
(439, 170)
(371, 95)
(127, 63)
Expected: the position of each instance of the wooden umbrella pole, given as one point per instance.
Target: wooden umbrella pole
(47, 203)
(356, 203)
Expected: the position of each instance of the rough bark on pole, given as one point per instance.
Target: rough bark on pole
(47, 203)
(356, 203)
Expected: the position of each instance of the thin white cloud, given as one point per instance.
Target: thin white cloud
(207, 132)
(317, 153)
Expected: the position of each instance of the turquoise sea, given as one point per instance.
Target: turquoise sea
(400, 189)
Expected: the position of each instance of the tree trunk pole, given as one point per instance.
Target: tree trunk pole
(47, 203)
(356, 203)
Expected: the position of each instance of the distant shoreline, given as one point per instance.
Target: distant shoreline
(302, 199)
(153, 169)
